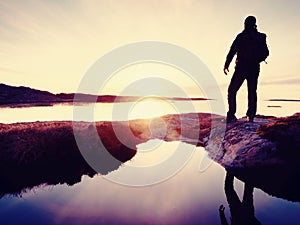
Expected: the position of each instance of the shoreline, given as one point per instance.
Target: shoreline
(35, 153)
(118, 99)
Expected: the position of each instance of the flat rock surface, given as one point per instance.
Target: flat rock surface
(265, 142)
(243, 147)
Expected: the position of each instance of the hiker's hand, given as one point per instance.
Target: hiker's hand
(221, 208)
(226, 70)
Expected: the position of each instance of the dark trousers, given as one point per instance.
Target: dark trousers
(242, 212)
(243, 72)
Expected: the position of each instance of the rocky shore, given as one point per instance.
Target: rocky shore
(265, 153)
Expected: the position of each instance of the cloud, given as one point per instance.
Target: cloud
(9, 70)
(291, 81)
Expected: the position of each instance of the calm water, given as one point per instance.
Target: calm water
(187, 197)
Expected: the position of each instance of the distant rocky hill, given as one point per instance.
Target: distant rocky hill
(10, 95)
(25, 96)
(15, 95)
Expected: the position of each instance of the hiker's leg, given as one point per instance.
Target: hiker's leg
(235, 84)
(248, 199)
(252, 95)
(231, 196)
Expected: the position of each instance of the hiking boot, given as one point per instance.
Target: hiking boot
(250, 119)
(231, 119)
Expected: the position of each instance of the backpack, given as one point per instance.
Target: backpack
(253, 47)
(261, 48)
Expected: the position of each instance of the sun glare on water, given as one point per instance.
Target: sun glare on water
(153, 151)
(150, 107)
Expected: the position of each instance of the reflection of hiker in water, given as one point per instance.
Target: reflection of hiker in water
(251, 49)
(242, 212)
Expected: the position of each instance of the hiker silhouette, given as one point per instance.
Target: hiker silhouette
(251, 49)
(242, 212)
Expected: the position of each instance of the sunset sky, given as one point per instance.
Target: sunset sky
(50, 44)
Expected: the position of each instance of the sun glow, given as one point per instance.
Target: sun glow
(150, 107)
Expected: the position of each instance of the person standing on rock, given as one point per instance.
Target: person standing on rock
(251, 49)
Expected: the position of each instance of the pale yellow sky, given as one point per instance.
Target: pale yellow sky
(49, 45)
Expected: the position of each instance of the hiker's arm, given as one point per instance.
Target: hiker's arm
(222, 215)
(231, 53)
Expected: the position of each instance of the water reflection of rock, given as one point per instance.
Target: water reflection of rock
(38, 153)
(264, 153)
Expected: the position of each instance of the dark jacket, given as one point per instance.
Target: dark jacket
(250, 47)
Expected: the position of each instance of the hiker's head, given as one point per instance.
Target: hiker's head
(250, 23)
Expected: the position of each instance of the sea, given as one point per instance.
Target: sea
(187, 195)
